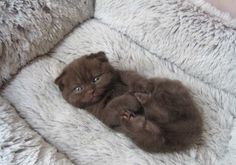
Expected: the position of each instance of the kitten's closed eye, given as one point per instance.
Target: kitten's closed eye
(78, 89)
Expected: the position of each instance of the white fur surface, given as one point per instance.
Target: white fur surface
(222, 13)
(179, 32)
(83, 138)
(30, 28)
(19, 144)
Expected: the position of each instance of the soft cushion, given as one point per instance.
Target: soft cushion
(199, 44)
(85, 139)
(29, 28)
(20, 144)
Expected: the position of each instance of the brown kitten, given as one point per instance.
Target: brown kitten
(90, 82)
(172, 121)
(118, 98)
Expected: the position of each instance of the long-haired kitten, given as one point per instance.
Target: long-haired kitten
(159, 115)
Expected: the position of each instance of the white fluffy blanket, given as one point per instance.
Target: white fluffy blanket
(158, 38)
(20, 144)
(30, 28)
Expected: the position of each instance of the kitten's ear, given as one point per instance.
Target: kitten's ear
(59, 81)
(101, 56)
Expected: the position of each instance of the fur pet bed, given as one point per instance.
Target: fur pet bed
(30, 28)
(159, 38)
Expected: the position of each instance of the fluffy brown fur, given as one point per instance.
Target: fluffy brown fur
(158, 114)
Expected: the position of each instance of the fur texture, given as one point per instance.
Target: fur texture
(171, 38)
(180, 33)
(31, 28)
(159, 115)
(210, 8)
(39, 101)
(20, 144)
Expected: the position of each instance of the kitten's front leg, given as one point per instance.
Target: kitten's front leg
(110, 116)
(117, 107)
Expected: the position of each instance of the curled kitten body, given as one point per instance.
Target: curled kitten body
(159, 115)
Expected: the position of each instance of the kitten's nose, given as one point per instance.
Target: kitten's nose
(91, 91)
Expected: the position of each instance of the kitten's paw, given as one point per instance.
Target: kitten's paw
(126, 115)
(142, 97)
(133, 123)
(142, 86)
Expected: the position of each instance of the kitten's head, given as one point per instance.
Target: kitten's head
(84, 81)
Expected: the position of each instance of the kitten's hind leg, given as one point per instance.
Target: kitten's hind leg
(144, 133)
